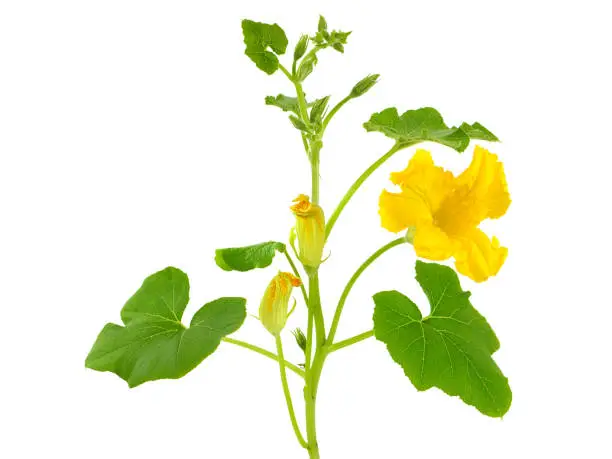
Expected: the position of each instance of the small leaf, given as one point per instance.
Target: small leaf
(258, 37)
(424, 124)
(322, 27)
(285, 103)
(364, 85)
(248, 258)
(318, 109)
(154, 344)
(306, 67)
(451, 348)
(301, 47)
(298, 123)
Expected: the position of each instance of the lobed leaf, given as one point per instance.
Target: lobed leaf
(451, 348)
(249, 257)
(258, 38)
(153, 343)
(425, 124)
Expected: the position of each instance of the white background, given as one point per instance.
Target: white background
(133, 136)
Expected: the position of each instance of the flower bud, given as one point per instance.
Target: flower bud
(274, 307)
(364, 85)
(301, 47)
(310, 229)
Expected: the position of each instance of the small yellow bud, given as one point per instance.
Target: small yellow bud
(274, 307)
(310, 229)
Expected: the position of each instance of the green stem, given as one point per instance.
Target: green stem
(302, 102)
(355, 186)
(297, 274)
(297, 370)
(285, 71)
(311, 425)
(347, 342)
(333, 111)
(351, 282)
(315, 307)
(283, 373)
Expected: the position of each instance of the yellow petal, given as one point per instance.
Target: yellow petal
(479, 257)
(424, 187)
(423, 180)
(480, 192)
(398, 212)
(432, 243)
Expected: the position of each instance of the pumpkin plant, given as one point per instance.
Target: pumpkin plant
(430, 208)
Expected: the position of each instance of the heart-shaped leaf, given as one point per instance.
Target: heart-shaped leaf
(451, 348)
(258, 38)
(153, 343)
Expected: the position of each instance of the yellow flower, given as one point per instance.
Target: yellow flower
(443, 211)
(274, 306)
(310, 229)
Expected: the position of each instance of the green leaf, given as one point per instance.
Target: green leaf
(318, 109)
(306, 67)
(258, 37)
(451, 348)
(424, 124)
(322, 27)
(153, 343)
(285, 103)
(298, 123)
(249, 257)
(478, 131)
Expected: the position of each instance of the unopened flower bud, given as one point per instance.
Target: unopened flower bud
(310, 229)
(274, 307)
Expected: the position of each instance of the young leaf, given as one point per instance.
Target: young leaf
(451, 348)
(249, 257)
(306, 67)
(298, 123)
(424, 124)
(318, 109)
(258, 37)
(322, 27)
(153, 343)
(285, 103)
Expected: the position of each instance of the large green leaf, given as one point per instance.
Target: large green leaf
(249, 257)
(153, 343)
(451, 348)
(258, 38)
(425, 124)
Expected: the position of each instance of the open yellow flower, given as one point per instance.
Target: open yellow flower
(443, 211)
